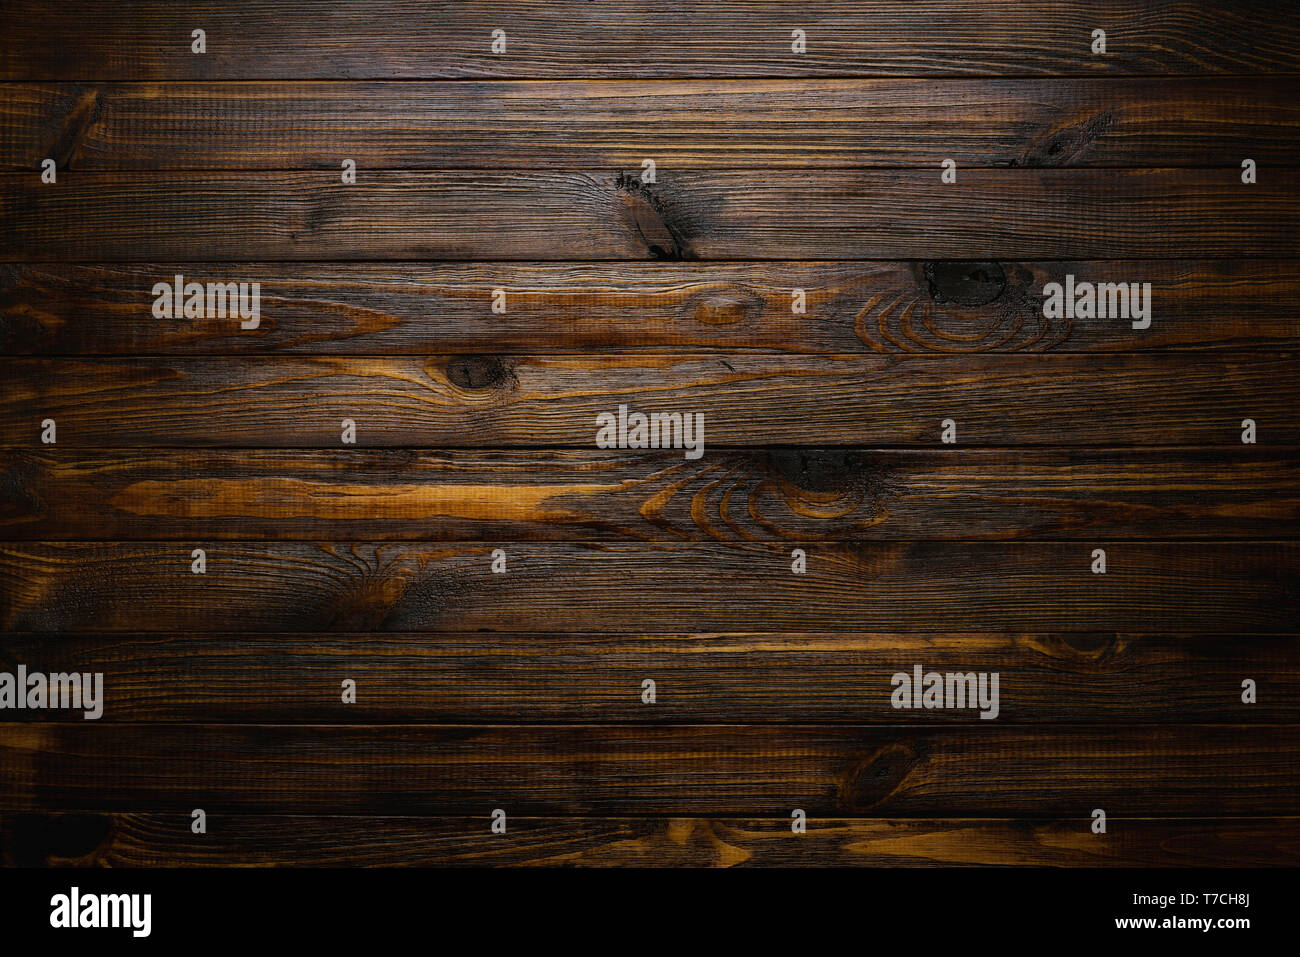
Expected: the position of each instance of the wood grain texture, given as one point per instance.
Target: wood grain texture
(775, 171)
(686, 214)
(1205, 588)
(797, 495)
(495, 401)
(165, 840)
(418, 309)
(291, 39)
(699, 678)
(680, 124)
(1177, 771)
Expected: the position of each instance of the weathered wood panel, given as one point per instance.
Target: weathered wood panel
(520, 170)
(687, 214)
(679, 124)
(471, 677)
(495, 401)
(292, 39)
(1179, 771)
(419, 309)
(1204, 588)
(165, 840)
(797, 495)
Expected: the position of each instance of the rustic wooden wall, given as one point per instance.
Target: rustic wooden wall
(475, 431)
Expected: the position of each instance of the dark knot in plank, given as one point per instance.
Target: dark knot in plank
(25, 323)
(36, 840)
(1083, 649)
(872, 780)
(1063, 146)
(842, 487)
(478, 372)
(965, 283)
(369, 590)
(427, 598)
(956, 306)
(650, 218)
(83, 114)
(725, 308)
(19, 480)
(815, 470)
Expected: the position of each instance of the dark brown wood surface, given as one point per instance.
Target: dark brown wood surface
(417, 309)
(555, 401)
(341, 39)
(917, 587)
(699, 678)
(797, 495)
(153, 840)
(565, 214)
(1163, 690)
(1186, 770)
(693, 124)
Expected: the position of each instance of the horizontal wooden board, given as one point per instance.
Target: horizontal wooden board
(686, 214)
(1181, 771)
(1202, 588)
(421, 309)
(243, 840)
(685, 124)
(470, 677)
(797, 495)
(495, 401)
(282, 39)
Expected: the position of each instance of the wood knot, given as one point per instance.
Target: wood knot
(650, 219)
(722, 304)
(1079, 648)
(873, 779)
(842, 490)
(36, 840)
(362, 603)
(1062, 146)
(427, 601)
(82, 115)
(814, 470)
(18, 484)
(477, 372)
(965, 283)
(725, 310)
(958, 307)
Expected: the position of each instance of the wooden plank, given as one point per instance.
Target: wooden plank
(298, 39)
(1177, 771)
(798, 495)
(699, 678)
(165, 840)
(682, 124)
(686, 214)
(495, 401)
(422, 309)
(1203, 588)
